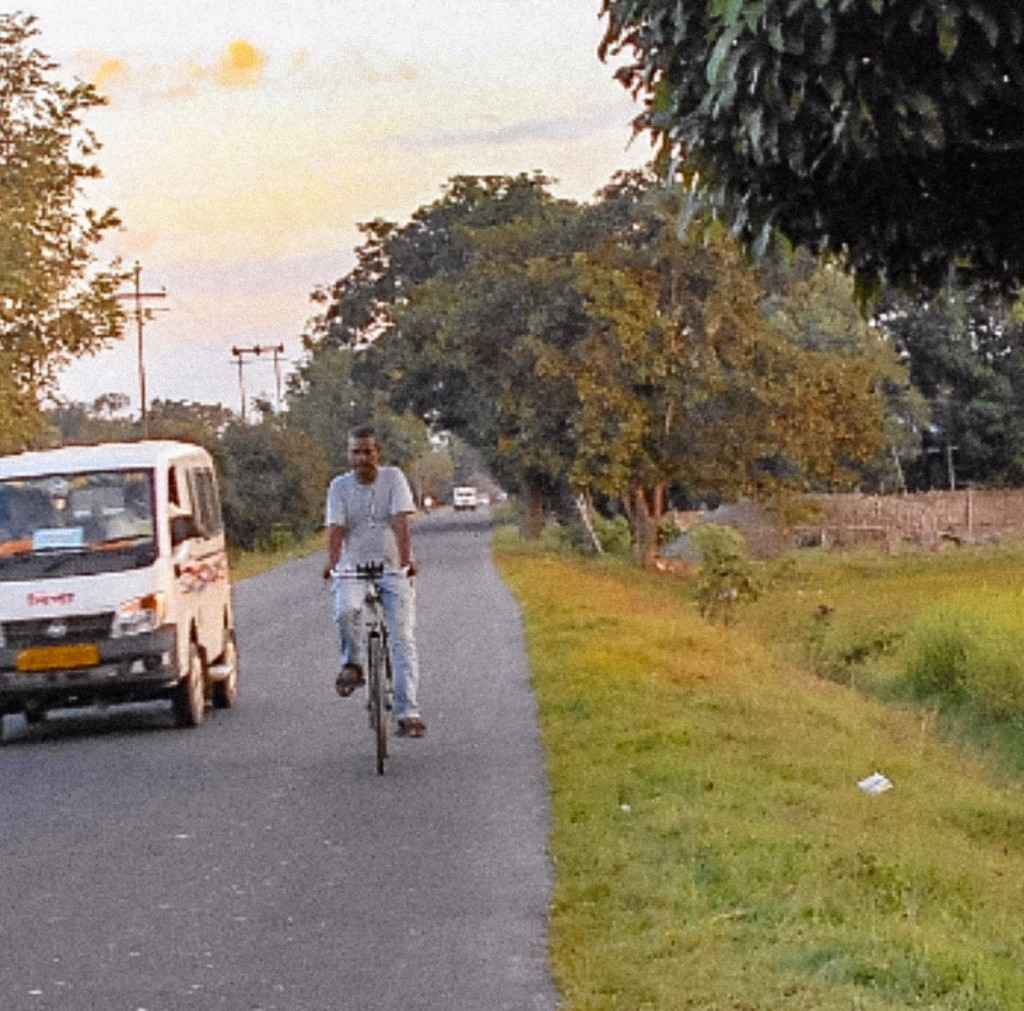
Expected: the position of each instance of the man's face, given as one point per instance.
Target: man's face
(364, 455)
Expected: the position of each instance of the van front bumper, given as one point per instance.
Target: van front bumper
(132, 668)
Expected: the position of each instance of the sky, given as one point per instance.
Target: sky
(244, 142)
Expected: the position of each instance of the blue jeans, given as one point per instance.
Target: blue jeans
(398, 595)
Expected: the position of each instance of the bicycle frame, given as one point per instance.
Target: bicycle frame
(380, 681)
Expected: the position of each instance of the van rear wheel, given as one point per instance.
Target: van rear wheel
(189, 698)
(225, 691)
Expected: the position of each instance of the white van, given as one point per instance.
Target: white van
(114, 583)
(464, 497)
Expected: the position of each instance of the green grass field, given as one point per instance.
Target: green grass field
(711, 847)
(245, 564)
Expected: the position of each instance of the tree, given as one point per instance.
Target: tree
(434, 320)
(815, 306)
(965, 352)
(326, 402)
(887, 132)
(274, 481)
(54, 304)
(189, 420)
(683, 380)
(431, 474)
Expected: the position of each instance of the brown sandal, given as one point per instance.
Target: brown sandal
(411, 726)
(350, 678)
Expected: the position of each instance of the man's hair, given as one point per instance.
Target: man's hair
(364, 432)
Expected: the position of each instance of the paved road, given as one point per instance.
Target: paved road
(259, 862)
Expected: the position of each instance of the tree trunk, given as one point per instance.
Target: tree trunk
(647, 508)
(533, 519)
(587, 519)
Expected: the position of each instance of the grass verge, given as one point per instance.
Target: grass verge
(711, 847)
(245, 564)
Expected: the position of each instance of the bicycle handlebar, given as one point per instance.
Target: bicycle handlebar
(367, 572)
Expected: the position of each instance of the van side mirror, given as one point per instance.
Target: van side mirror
(183, 528)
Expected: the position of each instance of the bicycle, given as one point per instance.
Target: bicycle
(380, 684)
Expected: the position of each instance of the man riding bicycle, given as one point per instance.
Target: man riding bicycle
(367, 520)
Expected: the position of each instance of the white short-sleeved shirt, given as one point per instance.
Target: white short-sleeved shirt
(366, 512)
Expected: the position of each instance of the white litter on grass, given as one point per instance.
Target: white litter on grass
(875, 784)
(626, 807)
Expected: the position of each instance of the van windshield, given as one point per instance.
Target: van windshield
(76, 524)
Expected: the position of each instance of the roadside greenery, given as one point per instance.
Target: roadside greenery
(248, 563)
(596, 349)
(886, 133)
(55, 303)
(710, 844)
(727, 576)
(941, 633)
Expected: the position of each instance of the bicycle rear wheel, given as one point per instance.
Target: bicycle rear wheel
(378, 713)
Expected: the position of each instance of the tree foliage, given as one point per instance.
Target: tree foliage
(274, 481)
(682, 379)
(889, 131)
(965, 353)
(326, 401)
(435, 310)
(591, 346)
(815, 306)
(54, 304)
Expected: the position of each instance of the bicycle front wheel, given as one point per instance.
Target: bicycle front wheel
(378, 712)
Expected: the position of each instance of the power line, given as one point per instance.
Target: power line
(140, 315)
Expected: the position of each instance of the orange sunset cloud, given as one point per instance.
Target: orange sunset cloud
(242, 65)
(109, 71)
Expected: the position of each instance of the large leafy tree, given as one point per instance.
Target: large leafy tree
(889, 131)
(54, 304)
(326, 401)
(591, 347)
(814, 305)
(682, 379)
(434, 322)
(964, 352)
(274, 480)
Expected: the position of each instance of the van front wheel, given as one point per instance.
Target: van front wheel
(189, 698)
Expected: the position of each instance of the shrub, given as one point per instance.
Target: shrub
(838, 651)
(976, 658)
(727, 576)
(613, 533)
(937, 660)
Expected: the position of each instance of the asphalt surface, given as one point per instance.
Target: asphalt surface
(259, 862)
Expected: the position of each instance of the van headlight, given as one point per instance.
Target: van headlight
(139, 615)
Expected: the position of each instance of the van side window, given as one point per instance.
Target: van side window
(172, 486)
(204, 496)
(216, 517)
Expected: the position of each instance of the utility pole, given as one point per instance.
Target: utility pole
(256, 350)
(140, 314)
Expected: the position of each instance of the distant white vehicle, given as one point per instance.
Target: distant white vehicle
(464, 497)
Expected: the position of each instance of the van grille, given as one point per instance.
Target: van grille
(80, 628)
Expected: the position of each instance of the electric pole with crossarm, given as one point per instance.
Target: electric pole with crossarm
(258, 349)
(140, 314)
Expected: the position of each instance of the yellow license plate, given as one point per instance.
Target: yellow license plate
(39, 658)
